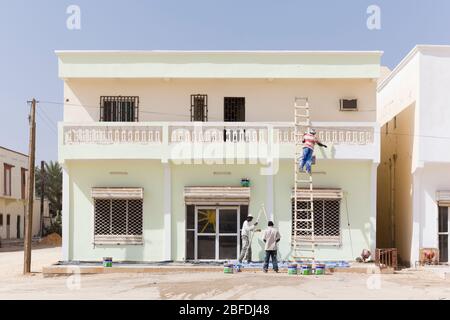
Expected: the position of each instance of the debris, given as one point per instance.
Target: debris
(52, 239)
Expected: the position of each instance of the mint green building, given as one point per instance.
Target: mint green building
(154, 146)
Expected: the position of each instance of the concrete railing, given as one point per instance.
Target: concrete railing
(103, 133)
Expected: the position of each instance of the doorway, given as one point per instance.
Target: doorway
(216, 233)
(18, 233)
(443, 234)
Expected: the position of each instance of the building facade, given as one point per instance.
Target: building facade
(414, 173)
(13, 195)
(154, 146)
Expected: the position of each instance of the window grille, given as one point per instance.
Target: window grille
(119, 109)
(199, 107)
(234, 109)
(118, 221)
(326, 220)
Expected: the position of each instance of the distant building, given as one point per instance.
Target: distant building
(13, 195)
(414, 173)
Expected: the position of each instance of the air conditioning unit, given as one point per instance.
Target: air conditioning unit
(349, 104)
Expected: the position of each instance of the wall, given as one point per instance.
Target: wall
(395, 189)
(149, 174)
(434, 111)
(84, 175)
(266, 100)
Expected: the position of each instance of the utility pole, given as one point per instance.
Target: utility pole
(29, 214)
(43, 175)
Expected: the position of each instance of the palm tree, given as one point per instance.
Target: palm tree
(53, 186)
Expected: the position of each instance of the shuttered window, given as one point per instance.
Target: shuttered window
(118, 221)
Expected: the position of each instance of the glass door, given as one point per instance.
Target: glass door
(216, 233)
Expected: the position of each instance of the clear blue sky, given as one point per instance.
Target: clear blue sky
(31, 30)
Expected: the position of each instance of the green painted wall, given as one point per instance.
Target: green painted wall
(352, 176)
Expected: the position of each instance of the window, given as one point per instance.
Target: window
(8, 219)
(1, 219)
(23, 175)
(234, 110)
(349, 104)
(199, 107)
(326, 220)
(118, 221)
(119, 109)
(7, 179)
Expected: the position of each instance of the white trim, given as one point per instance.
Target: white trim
(167, 212)
(65, 213)
(117, 193)
(192, 52)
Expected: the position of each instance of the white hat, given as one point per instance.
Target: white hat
(249, 215)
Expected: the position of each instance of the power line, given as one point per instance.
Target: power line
(219, 119)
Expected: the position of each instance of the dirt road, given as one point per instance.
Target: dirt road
(407, 284)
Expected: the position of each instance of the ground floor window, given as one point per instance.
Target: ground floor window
(118, 221)
(213, 232)
(443, 234)
(327, 221)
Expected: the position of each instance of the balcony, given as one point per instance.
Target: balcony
(210, 140)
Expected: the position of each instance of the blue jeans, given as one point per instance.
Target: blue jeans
(307, 159)
(271, 254)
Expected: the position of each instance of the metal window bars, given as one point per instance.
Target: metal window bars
(119, 109)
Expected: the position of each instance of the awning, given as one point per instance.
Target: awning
(443, 198)
(217, 195)
(320, 194)
(118, 193)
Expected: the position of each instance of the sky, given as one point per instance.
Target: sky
(30, 32)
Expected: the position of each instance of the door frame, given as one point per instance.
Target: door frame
(444, 233)
(217, 234)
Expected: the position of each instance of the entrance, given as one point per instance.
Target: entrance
(443, 234)
(216, 233)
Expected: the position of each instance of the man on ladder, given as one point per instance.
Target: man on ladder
(309, 142)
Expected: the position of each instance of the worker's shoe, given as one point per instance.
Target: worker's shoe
(265, 270)
(276, 271)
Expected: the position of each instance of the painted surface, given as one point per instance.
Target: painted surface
(237, 64)
(265, 101)
(150, 175)
(417, 93)
(14, 205)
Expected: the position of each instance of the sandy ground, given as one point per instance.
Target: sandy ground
(407, 284)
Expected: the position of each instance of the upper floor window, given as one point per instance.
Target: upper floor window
(234, 109)
(199, 107)
(7, 172)
(119, 109)
(23, 184)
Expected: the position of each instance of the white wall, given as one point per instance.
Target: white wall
(266, 100)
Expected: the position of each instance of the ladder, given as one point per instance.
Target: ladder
(303, 240)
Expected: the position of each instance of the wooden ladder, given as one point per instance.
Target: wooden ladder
(303, 239)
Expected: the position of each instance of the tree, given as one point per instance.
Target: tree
(53, 186)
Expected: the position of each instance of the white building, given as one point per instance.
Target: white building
(414, 173)
(13, 195)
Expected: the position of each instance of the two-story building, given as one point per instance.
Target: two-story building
(414, 173)
(13, 196)
(154, 145)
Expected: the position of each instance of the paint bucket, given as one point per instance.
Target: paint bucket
(228, 268)
(306, 269)
(292, 269)
(320, 269)
(107, 262)
(237, 268)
